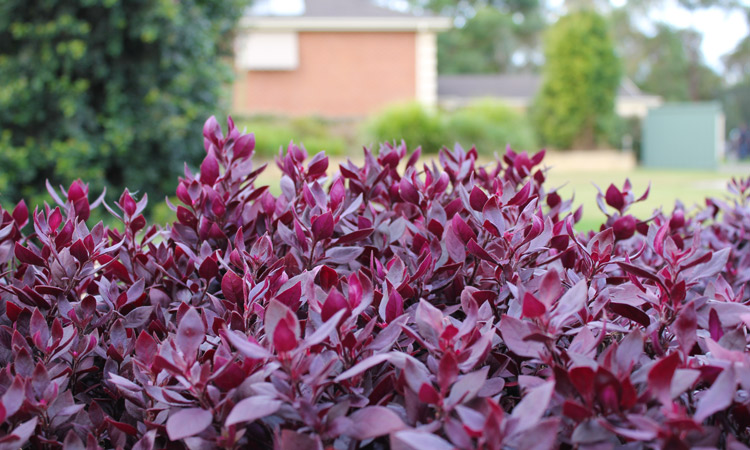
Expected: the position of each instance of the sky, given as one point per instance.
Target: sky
(721, 30)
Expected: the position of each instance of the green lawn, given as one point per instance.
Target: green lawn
(691, 187)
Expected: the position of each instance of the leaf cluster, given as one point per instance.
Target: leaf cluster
(427, 306)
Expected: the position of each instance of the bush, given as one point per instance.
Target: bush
(109, 90)
(452, 306)
(272, 133)
(490, 126)
(412, 123)
(582, 72)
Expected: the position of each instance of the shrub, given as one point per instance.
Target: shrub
(272, 133)
(582, 71)
(110, 90)
(451, 306)
(491, 126)
(412, 123)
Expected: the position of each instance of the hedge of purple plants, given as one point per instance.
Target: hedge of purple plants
(387, 305)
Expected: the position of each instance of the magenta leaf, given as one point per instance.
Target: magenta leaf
(188, 422)
(660, 377)
(190, 333)
(373, 421)
(719, 397)
(322, 226)
(615, 198)
(515, 332)
(420, 440)
(209, 170)
(531, 409)
(233, 287)
(685, 328)
(251, 409)
(27, 256)
(532, 307)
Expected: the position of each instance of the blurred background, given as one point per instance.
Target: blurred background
(115, 92)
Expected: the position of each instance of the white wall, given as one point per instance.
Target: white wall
(426, 70)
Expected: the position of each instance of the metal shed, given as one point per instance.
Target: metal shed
(684, 136)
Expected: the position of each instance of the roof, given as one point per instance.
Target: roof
(520, 86)
(336, 15)
(323, 8)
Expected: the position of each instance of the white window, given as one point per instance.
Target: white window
(267, 51)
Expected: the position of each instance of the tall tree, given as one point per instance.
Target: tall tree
(490, 36)
(673, 67)
(666, 62)
(581, 74)
(109, 90)
(485, 44)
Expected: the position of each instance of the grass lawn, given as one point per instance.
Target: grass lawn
(667, 186)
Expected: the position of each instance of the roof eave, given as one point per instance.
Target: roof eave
(347, 23)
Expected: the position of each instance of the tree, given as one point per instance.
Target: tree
(575, 105)
(112, 91)
(485, 44)
(672, 67)
(491, 36)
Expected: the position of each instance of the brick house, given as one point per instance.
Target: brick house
(333, 58)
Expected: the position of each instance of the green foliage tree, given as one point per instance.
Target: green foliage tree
(673, 67)
(483, 45)
(490, 36)
(111, 91)
(575, 105)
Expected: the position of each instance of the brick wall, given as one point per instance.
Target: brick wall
(340, 74)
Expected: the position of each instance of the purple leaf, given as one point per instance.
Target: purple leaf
(209, 170)
(252, 409)
(408, 192)
(570, 303)
(685, 328)
(247, 348)
(515, 331)
(631, 312)
(322, 226)
(719, 397)
(188, 422)
(533, 406)
(467, 387)
(477, 198)
(660, 377)
(190, 333)
(419, 440)
(27, 256)
(615, 198)
(373, 421)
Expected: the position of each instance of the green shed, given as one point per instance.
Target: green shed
(683, 136)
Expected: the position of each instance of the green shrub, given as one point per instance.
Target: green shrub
(490, 125)
(411, 122)
(274, 132)
(582, 71)
(109, 90)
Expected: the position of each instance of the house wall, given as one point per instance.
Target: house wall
(340, 74)
(426, 68)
